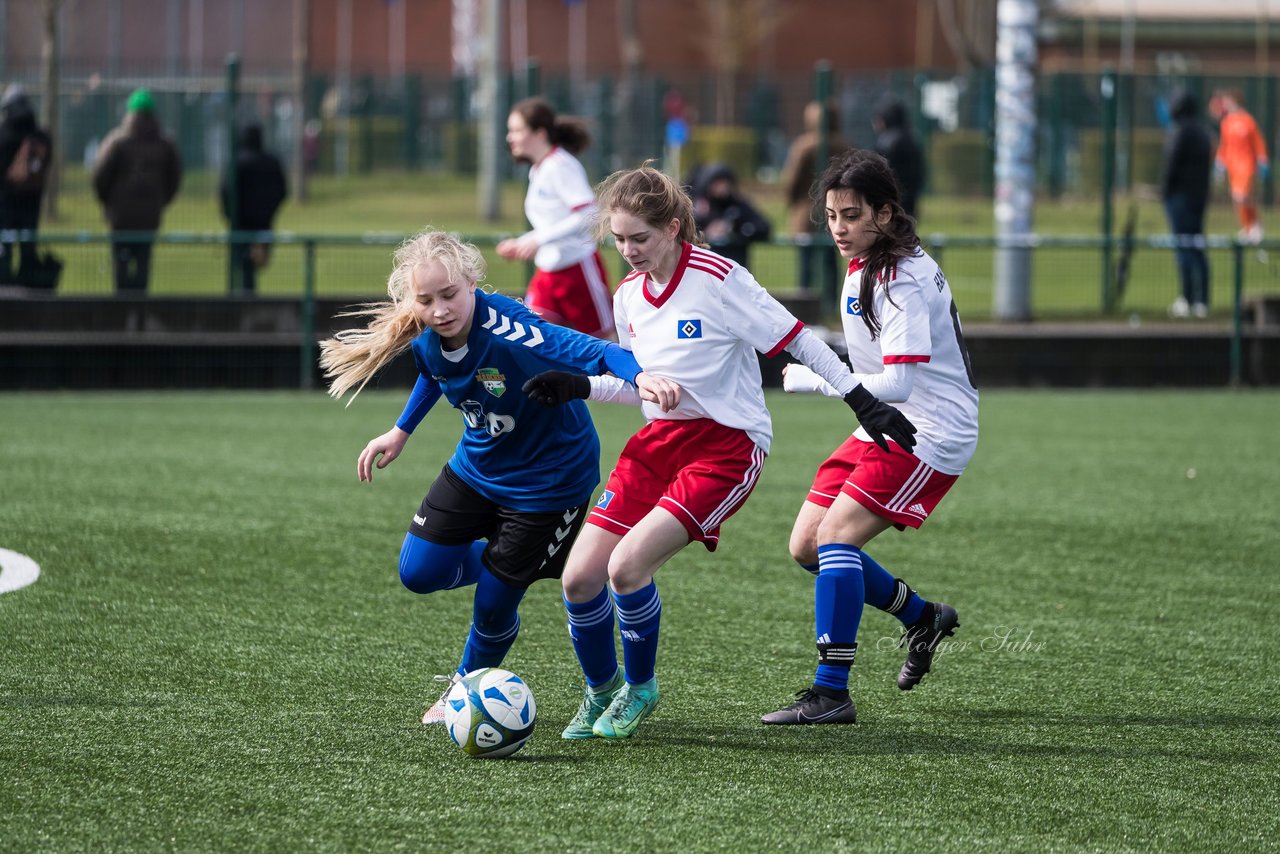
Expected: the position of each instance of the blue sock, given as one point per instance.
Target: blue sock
(811, 568)
(591, 630)
(838, 599)
(426, 567)
(639, 615)
(494, 623)
(890, 594)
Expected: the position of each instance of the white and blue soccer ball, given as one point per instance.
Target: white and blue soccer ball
(489, 713)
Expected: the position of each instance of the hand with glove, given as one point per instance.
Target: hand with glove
(556, 388)
(880, 419)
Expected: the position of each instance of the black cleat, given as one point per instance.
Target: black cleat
(816, 706)
(921, 641)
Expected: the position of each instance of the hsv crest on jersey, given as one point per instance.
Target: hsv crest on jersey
(689, 329)
(853, 306)
(605, 499)
(493, 381)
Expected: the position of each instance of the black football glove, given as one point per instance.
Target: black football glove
(880, 419)
(556, 388)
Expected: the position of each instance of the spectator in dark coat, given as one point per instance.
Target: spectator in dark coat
(895, 141)
(724, 215)
(260, 190)
(799, 174)
(1184, 186)
(25, 152)
(137, 175)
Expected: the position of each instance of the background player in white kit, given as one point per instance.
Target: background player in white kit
(906, 346)
(570, 287)
(697, 319)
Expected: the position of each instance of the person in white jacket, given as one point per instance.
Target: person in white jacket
(570, 286)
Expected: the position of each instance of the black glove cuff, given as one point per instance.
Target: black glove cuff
(860, 399)
(581, 387)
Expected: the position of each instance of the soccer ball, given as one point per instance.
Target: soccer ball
(490, 713)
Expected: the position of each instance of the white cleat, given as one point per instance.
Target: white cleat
(435, 712)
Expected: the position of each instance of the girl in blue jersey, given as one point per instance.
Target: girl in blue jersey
(508, 504)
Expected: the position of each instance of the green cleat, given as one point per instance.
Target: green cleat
(594, 703)
(631, 705)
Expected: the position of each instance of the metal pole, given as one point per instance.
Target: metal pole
(492, 120)
(1237, 316)
(308, 314)
(301, 63)
(1108, 178)
(1015, 167)
(232, 176)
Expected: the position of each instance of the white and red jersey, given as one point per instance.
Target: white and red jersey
(702, 330)
(918, 323)
(558, 189)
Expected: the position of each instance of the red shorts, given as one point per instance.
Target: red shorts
(700, 470)
(577, 296)
(895, 485)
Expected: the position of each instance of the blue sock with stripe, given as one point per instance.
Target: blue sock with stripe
(838, 599)
(890, 594)
(639, 615)
(494, 623)
(591, 630)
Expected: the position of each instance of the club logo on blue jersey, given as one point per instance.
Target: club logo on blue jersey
(853, 306)
(689, 329)
(602, 503)
(493, 381)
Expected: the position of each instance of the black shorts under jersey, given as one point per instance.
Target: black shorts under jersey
(523, 546)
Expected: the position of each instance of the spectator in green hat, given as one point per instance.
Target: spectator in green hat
(141, 102)
(136, 176)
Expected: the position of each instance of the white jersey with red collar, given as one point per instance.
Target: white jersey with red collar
(558, 187)
(918, 323)
(702, 330)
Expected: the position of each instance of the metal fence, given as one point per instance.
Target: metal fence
(1067, 284)
(1072, 276)
(370, 123)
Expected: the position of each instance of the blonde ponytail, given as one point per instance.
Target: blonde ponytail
(353, 356)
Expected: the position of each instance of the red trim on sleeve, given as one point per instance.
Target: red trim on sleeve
(577, 208)
(898, 360)
(786, 339)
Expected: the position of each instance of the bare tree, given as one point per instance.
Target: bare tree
(970, 31)
(734, 29)
(629, 84)
(50, 73)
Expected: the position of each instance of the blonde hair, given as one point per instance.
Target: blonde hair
(353, 356)
(648, 195)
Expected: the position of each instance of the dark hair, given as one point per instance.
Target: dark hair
(567, 132)
(649, 195)
(867, 175)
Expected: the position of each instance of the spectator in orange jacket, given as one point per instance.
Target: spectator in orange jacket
(1242, 155)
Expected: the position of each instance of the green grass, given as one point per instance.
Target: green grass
(218, 655)
(1066, 282)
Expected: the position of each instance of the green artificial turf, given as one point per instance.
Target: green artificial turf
(218, 654)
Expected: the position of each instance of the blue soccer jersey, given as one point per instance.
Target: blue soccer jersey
(514, 451)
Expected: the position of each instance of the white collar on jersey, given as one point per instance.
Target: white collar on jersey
(455, 355)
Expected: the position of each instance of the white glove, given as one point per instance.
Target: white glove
(799, 378)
